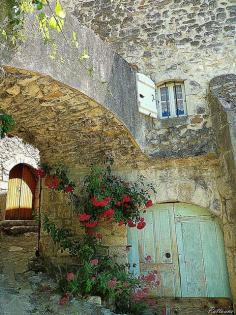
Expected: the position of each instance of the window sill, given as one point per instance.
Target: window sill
(173, 121)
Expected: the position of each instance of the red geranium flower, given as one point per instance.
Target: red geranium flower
(126, 198)
(68, 189)
(90, 233)
(109, 213)
(141, 225)
(40, 172)
(98, 235)
(91, 224)
(54, 183)
(118, 203)
(121, 223)
(131, 223)
(102, 216)
(100, 203)
(84, 217)
(148, 204)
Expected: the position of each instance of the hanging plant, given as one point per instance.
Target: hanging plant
(7, 123)
(104, 197)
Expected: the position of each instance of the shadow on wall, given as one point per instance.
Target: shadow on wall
(3, 198)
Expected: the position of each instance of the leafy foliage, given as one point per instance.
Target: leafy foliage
(97, 274)
(7, 123)
(104, 196)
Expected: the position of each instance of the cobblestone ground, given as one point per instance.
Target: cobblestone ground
(25, 292)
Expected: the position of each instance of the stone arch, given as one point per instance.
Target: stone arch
(18, 159)
(64, 123)
(112, 83)
(191, 193)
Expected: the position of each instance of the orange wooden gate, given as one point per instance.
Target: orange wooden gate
(21, 193)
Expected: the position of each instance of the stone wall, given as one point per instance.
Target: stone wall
(171, 39)
(12, 152)
(113, 83)
(192, 40)
(187, 40)
(59, 209)
(222, 104)
(180, 137)
(191, 181)
(178, 182)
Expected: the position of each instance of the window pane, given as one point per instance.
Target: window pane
(178, 91)
(179, 102)
(180, 108)
(164, 94)
(165, 102)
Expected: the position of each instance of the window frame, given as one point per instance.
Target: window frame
(172, 100)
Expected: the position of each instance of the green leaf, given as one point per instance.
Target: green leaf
(56, 24)
(53, 23)
(74, 39)
(74, 36)
(90, 71)
(59, 11)
(39, 6)
(84, 55)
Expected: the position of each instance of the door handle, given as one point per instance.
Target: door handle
(168, 255)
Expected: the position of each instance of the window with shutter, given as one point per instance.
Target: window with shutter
(171, 100)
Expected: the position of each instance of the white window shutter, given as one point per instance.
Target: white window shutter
(146, 95)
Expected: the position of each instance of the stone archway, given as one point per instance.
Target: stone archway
(63, 123)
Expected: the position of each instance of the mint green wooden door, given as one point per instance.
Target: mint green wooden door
(157, 240)
(187, 249)
(202, 260)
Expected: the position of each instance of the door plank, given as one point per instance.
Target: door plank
(222, 260)
(133, 254)
(214, 259)
(192, 275)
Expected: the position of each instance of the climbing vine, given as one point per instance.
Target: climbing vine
(103, 196)
(97, 274)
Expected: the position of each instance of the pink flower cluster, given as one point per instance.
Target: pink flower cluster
(140, 293)
(112, 283)
(150, 278)
(65, 299)
(70, 276)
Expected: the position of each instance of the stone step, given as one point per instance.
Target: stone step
(16, 230)
(11, 223)
(191, 306)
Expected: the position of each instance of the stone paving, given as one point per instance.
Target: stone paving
(25, 292)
